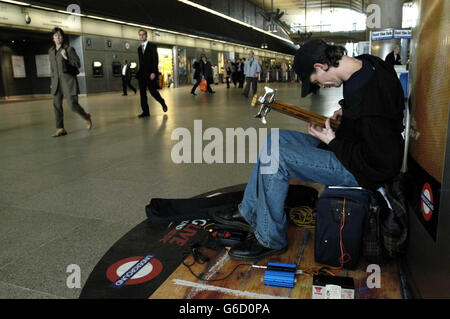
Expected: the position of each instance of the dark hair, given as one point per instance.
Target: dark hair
(332, 55)
(55, 30)
(142, 30)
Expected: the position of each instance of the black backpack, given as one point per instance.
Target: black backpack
(386, 226)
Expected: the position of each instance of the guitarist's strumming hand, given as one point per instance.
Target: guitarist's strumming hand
(326, 134)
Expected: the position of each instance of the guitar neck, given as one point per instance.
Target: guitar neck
(301, 114)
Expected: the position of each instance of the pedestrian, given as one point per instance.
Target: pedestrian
(227, 70)
(251, 71)
(64, 65)
(148, 74)
(205, 73)
(126, 78)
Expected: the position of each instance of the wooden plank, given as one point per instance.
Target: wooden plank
(168, 290)
(255, 283)
(248, 282)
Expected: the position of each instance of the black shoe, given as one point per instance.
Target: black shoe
(233, 218)
(193, 93)
(212, 92)
(124, 94)
(144, 115)
(164, 107)
(251, 249)
(245, 95)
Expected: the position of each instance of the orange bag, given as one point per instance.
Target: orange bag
(203, 85)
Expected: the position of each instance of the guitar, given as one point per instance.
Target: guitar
(267, 102)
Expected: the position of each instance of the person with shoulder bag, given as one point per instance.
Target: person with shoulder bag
(64, 63)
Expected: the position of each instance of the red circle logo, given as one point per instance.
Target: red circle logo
(426, 202)
(146, 271)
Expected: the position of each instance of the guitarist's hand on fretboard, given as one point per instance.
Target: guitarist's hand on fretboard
(326, 134)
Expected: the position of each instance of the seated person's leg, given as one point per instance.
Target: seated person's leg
(263, 203)
(300, 140)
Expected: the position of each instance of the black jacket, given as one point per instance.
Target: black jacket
(197, 74)
(148, 62)
(392, 60)
(369, 142)
(206, 71)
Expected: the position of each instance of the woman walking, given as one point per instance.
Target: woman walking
(65, 63)
(227, 69)
(205, 72)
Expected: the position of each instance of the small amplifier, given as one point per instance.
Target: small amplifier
(280, 275)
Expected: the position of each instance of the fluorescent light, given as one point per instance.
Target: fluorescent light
(16, 2)
(193, 4)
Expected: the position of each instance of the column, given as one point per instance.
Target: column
(391, 14)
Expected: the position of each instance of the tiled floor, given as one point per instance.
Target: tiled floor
(67, 200)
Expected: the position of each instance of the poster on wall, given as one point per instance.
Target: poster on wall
(43, 66)
(429, 112)
(182, 69)
(18, 64)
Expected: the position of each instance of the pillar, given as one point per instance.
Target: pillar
(391, 14)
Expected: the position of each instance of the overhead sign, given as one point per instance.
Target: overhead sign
(382, 35)
(402, 34)
(391, 34)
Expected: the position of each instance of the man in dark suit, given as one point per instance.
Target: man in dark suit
(394, 58)
(126, 78)
(148, 73)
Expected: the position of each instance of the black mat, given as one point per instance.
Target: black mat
(144, 257)
(148, 254)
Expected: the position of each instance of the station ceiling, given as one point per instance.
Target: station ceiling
(176, 16)
(294, 8)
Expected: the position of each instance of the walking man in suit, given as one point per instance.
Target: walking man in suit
(148, 73)
(126, 78)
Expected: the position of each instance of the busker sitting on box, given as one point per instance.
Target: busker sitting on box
(366, 150)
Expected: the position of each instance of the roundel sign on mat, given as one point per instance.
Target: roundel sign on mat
(133, 270)
(138, 263)
(426, 202)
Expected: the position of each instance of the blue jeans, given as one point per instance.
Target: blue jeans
(299, 157)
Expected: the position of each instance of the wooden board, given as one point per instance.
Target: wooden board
(248, 283)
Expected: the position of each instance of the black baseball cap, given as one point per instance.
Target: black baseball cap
(304, 60)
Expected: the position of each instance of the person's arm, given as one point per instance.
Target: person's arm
(72, 57)
(258, 69)
(154, 61)
(376, 149)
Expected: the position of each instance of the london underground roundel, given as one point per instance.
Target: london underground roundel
(426, 202)
(133, 270)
